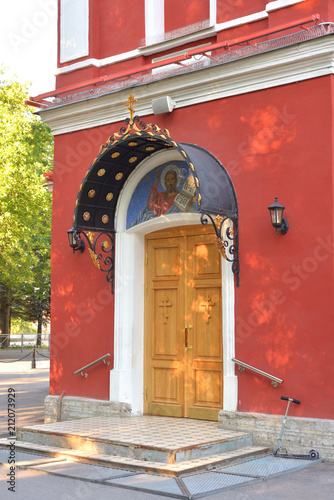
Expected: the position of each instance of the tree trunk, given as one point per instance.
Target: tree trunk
(5, 322)
(2, 320)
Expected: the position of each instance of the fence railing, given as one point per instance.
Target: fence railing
(24, 340)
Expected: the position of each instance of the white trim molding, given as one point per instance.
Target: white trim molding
(298, 62)
(127, 376)
(154, 20)
(281, 4)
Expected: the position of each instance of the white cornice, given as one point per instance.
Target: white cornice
(298, 62)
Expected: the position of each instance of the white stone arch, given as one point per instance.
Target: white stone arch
(127, 376)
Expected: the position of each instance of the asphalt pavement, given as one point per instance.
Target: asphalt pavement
(32, 385)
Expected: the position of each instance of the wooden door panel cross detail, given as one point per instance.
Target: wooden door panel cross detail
(165, 304)
(207, 303)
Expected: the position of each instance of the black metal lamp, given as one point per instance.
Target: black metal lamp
(277, 219)
(75, 242)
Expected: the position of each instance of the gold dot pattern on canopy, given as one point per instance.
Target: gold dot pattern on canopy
(105, 219)
(119, 176)
(109, 196)
(91, 193)
(133, 159)
(115, 155)
(101, 172)
(86, 216)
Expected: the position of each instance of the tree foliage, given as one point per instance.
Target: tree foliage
(26, 152)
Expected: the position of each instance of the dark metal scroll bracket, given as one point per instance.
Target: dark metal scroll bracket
(227, 238)
(102, 251)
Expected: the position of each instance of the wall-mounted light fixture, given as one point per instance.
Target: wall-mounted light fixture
(75, 241)
(277, 219)
(101, 248)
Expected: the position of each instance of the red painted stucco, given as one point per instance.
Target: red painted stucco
(179, 15)
(82, 303)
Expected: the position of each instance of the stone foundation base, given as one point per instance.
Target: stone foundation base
(300, 434)
(57, 409)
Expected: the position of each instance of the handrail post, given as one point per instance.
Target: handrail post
(241, 366)
(102, 358)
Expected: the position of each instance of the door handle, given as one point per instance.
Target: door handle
(186, 339)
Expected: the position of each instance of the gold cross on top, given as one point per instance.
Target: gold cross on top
(131, 100)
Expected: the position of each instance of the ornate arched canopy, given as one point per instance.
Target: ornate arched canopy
(104, 180)
(123, 152)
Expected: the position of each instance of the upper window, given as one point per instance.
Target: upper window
(73, 29)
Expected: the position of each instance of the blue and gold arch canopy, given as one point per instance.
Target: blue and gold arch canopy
(99, 191)
(98, 194)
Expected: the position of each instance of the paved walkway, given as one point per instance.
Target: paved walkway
(31, 387)
(60, 480)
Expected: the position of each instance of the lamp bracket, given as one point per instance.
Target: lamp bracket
(227, 239)
(284, 227)
(102, 250)
(81, 245)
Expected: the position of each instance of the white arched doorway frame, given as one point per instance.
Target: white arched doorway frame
(127, 376)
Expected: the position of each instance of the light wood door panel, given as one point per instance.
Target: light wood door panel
(183, 282)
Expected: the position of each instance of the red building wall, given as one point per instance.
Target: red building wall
(278, 143)
(180, 15)
(82, 304)
(273, 142)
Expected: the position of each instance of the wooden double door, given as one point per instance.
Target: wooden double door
(183, 324)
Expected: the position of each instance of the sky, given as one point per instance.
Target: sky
(28, 42)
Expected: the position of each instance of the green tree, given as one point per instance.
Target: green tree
(26, 151)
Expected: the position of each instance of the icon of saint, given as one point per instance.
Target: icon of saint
(159, 202)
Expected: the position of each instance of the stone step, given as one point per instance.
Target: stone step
(120, 462)
(146, 442)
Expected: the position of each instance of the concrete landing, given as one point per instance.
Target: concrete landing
(157, 444)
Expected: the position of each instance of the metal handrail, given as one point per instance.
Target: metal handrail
(241, 366)
(102, 358)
